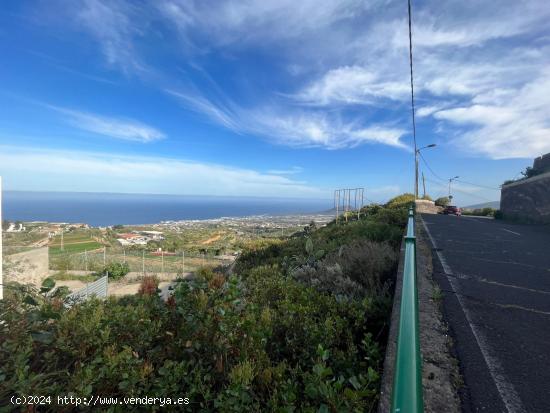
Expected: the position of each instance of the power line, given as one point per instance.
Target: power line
(412, 104)
(480, 186)
(463, 192)
(459, 180)
(430, 169)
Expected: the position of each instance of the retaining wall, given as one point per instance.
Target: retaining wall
(527, 200)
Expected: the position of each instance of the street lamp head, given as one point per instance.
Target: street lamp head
(431, 145)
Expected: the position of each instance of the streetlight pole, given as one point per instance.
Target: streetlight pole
(416, 153)
(450, 181)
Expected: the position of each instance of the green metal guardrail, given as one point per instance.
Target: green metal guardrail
(407, 380)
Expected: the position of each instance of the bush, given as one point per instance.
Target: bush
(401, 201)
(149, 285)
(443, 201)
(114, 270)
(301, 333)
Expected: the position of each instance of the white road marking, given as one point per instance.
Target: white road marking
(512, 232)
(507, 392)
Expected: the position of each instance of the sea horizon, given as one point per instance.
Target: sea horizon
(107, 209)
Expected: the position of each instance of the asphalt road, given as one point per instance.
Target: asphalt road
(495, 278)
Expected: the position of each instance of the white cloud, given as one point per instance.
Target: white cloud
(298, 127)
(517, 127)
(37, 169)
(126, 129)
(352, 85)
(257, 21)
(471, 58)
(291, 171)
(114, 24)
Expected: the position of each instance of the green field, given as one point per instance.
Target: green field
(73, 242)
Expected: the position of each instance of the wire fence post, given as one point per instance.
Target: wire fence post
(162, 261)
(143, 262)
(86, 259)
(183, 262)
(104, 255)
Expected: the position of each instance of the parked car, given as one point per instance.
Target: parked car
(454, 210)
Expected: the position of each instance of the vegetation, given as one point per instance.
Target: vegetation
(299, 326)
(63, 276)
(400, 201)
(529, 172)
(442, 201)
(114, 270)
(73, 242)
(481, 212)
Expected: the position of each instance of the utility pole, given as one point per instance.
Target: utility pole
(1, 274)
(424, 184)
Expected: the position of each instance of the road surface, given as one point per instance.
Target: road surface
(495, 278)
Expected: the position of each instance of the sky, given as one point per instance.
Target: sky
(271, 97)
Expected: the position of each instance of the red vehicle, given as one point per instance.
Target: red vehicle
(452, 210)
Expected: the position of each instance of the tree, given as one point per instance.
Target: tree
(443, 201)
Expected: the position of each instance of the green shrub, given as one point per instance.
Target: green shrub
(114, 270)
(401, 201)
(442, 201)
(301, 327)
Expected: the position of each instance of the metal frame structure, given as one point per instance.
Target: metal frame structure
(343, 198)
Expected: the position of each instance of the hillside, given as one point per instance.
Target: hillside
(300, 324)
(491, 204)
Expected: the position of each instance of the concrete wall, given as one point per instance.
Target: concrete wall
(527, 200)
(423, 206)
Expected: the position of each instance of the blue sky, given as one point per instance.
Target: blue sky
(270, 97)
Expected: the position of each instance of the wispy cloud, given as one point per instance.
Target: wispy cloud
(114, 24)
(352, 85)
(298, 127)
(291, 171)
(515, 127)
(119, 128)
(471, 59)
(36, 169)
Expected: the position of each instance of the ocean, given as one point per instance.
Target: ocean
(104, 209)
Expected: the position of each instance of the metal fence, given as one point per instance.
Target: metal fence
(407, 382)
(97, 288)
(137, 260)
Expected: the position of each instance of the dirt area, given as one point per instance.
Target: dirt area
(129, 285)
(212, 239)
(29, 267)
(440, 376)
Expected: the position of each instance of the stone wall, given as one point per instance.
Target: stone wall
(542, 163)
(527, 200)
